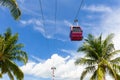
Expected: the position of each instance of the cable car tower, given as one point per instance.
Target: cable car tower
(53, 71)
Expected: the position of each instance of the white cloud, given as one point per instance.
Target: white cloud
(108, 23)
(40, 29)
(65, 68)
(99, 8)
(111, 24)
(31, 21)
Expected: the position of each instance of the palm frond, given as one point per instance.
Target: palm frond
(17, 47)
(89, 51)
(116, 67)
(4, 68)
(7, 34)
(118, 76)
(110, 48)
(10, 75)
(106, 50)
(83, 75)
(12, 5)
(90, 39)
(10, 43)
(115, 61)
(91, 69)
(85, 61)
(87, 70)
(94, 76)
(1, 44)
(110, 55)
(15, 69)
(108, 39)
(112, 72)
(0, 75)
(20, 56)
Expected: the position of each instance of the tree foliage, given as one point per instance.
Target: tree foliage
(99, 58)
(10, 52)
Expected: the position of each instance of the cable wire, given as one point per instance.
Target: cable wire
(55, 16)
(43, 20)
(77, 14)
(55, 11)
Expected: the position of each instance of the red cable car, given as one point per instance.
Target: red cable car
(76, 33)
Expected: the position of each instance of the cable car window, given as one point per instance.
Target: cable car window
(76, 29)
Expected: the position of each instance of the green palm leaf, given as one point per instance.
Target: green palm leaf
(115, 61)
(12, 5)
(85, 61)
(83, 75)
(87, 70)
(10, 75)
(93, 77)
(15, 69)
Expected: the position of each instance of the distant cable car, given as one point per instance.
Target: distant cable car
(76, 33)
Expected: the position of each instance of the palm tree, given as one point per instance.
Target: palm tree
(10, 53)
(12, 5)
(99, 58)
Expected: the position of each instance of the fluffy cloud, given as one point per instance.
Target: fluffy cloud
(65, 68)
(111, 24)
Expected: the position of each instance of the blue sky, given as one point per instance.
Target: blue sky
(49, 45)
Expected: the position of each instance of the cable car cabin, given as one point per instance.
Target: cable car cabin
(76, 34)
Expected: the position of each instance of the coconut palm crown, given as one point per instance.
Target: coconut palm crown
(10, 53)
(12, 5)
(99, 58)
